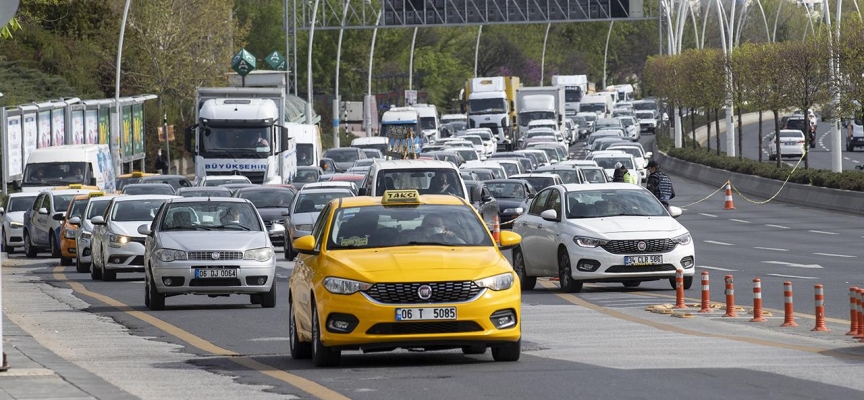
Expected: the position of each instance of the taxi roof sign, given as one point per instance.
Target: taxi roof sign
(76, 186)
(137, 174)
(95, 194)
(400, 197)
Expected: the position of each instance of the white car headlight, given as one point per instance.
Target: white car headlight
(589, 241)
(498, 282)
(168, 255)
(69, 233)
(344, 286)
(517, 210)
(277, 226)
(117, 239)
(303, 227)
(684, 239)
(260, 254)
(86, 235)
(13, 224)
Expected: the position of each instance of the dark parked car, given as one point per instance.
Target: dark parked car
(270, 201)
(483, 201)
(176, 181)
(513, 196)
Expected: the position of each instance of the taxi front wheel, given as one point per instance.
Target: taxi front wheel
(322, 356)
(507, 353)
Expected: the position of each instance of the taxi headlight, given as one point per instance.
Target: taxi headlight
(589, 241)
(13, 224)
(262, 254)
(517, 210)
(168, 255)
(498, 282)
(303, 227)
(69, 233)
(344, 286)
(117, 239)
(684, 239)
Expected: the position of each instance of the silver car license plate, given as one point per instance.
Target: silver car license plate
(210, 273)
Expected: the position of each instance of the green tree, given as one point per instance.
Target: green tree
(809, 77)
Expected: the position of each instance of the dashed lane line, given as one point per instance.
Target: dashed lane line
(718, 243)
(823, 232)
(708, 215)
(306, 385)
(779, 226)
(716, 268)
(793, 276)
(835, 255)
(739, 220)
(770, 248)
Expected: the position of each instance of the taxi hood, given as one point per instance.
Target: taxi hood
(418, 263)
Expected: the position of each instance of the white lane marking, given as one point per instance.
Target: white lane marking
(823, 232)
(716, 268)
(834, 255)
(739, 220)
(716, 242)
(269, 339)
(769, 248)
(781, 226)
(708, 215)
(793, 276)
(846, 158)
(794, 265)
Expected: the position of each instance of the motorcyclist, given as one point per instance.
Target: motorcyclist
(812, 120)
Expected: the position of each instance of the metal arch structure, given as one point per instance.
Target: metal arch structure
(450, 13)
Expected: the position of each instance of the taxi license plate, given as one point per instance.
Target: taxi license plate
(643, 260)
(425, 314)
(215, 273)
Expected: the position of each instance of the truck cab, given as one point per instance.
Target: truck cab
(429, 123)
(491, 104)
(401, 127)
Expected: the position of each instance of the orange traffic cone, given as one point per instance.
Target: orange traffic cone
(727, 205)
(496, 230)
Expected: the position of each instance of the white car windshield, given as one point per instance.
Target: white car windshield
(609, 162)
(136, 210)
(611, 203)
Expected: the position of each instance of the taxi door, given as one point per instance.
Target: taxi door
(547, 242)
(304, 277)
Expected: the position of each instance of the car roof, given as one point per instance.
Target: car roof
(260, 188)
(178, 199)
(203, 188)
(145, 197)
(361, 201)
(508, 180)
(329, 189)
(792, 131)
(576, 187)
(149, 185)
(58, 192)
(23, 194)
(535, 175)
(224, 177)
(408, 164)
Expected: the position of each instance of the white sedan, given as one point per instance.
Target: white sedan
(791, 144)
(608, 232)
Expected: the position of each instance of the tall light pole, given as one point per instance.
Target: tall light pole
(411, 61)
(337, 102)
(309, 64)
(543, 57)
(115, 122)
(368, 105)
(834, 67)
(605, 51)
(477, 49)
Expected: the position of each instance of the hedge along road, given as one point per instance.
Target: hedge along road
(820, 156)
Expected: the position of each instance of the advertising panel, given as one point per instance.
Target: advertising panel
(13, 136)
(78, 127)
(31, 134)
(104, 124)
(44, 129)
(58, 126)
(126, 143)
(138, 128)
(91, 126)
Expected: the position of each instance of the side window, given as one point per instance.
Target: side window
(38, 203)
(537, 206)
(485, 192)
(320, 223)
(554, 202)
(47, 204)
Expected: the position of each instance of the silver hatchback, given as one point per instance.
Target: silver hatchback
(208, 246)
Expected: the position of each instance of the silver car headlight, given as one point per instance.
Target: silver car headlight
(86, 235)
(683, 240)
(344, 286)
(168, 255)
(69, 233)
(303, 227)
(117, 239)
(261, 254)
(498, 282)
(589, 241)
(13, 224)
(517, 210)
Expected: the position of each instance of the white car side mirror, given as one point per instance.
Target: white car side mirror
(675, 212)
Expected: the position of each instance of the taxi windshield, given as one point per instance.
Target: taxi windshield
(97, 208)
(78, 207)
(423, 225)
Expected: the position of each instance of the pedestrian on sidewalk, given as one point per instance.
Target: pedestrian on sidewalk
(660, 184)
(161, 166)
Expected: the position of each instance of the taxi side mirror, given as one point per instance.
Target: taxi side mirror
(97, 220)
(144, 229)
(508, 240)
(305, 245)
(74, 221)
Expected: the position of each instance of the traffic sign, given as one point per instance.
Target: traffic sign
(243, 62)
(277, 62)
(410, 97)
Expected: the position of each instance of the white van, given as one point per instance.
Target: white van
(421, 175)
(429, 123)
(308, 139)
(379, 143)
(85, 164)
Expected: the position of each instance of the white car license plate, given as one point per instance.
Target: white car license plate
(643, 260)
(790, 143)
(425, 314)
(216, 273)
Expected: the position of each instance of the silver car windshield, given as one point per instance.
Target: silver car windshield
(611, 203)
(211, 216)
(315, 202)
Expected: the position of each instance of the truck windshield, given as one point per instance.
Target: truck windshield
(235, 141)
(305, 154)
(592, 107)
(427, 123)
(55, 174)
(645, 105)
(573, 94)
(528, 116)
(487, 106)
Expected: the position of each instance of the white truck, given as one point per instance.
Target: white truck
(429, 124)
(540, 103)
(491, 105)
(598, 103)
(242, 131)
(308, 139)
(71, 164)
(575, 86)
(401, 127)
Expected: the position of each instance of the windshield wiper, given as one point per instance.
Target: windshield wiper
(421, 243)
(232, 226)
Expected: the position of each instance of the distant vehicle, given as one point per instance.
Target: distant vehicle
(269, 201)
(42, 220)
(344, 157)
(84, 233)
(218, 180)
(421, 175)
(233, 187)
(493, 171)
(607, 162)
(513, 196)
(12, 219)
(125, 179)
(372, 143)
(301, 214)
(594, 174)
(448, 118)
(568, 173)
(210, 191)
(792, 143)
(306, 175)
(148, 188)
(176, 181)
(540, 181)
(483, 201)
(373, 153)
(82, 164)
(854, 134)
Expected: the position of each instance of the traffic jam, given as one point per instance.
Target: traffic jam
(409, 242)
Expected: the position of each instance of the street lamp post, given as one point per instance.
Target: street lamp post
(309, 64)
(605, 51)
(337, 102)
(411, 61)
(477, 49)
(543, 57)
(368, 102)
(115, 122)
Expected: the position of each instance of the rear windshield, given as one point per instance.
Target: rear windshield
(426, 181)
(20, 203)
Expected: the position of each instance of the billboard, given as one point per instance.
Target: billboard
(104, 126)
(91, 126)
(31, 134)
(78, 127)
(44, 129)
(126, 134)
(138, 129)
(13, 140)
(58, 126)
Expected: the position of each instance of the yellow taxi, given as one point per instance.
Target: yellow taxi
(403, 271)
(125, 179)
(67, 231)
(75, 186)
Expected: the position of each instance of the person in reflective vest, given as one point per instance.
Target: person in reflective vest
(622, 175)
(660, 184)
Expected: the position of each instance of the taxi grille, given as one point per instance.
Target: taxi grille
(208, 255)
(632, 246)
(629, 269)
(420, 328)
(406, 293)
